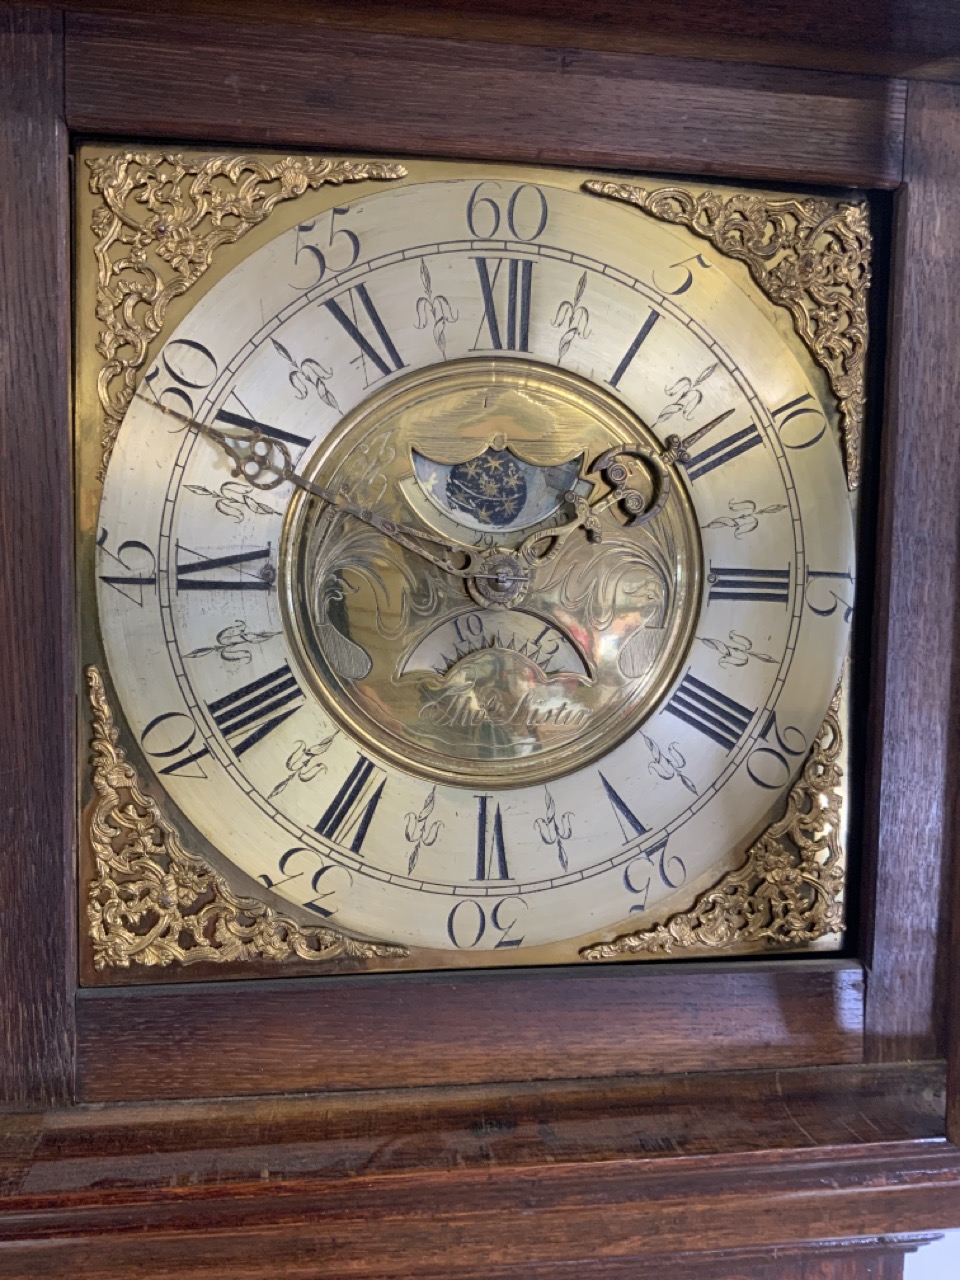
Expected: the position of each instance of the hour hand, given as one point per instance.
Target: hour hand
(265, 463)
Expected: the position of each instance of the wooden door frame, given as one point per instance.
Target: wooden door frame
(289, 84)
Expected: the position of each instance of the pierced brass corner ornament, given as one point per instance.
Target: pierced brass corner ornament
(153, 903)
(790, 886)
(809, 255)
(161, 221)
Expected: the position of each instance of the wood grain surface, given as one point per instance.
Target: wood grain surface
(145, 1148)
(530, 1181)
(914, 721)
(919, 38)
(230, 80)
(36, 654)
(303, 1257)
(368, 1033)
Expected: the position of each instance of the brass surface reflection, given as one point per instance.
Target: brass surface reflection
(523, 584)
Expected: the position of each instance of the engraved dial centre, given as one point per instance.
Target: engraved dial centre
(532, 620)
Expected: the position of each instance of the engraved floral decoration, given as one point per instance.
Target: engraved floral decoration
(306, 374)
(162, 219)
(735, 653)
(573, 318)
(234, 643)
(809, 255)
(419, 831)
(151, 902)
(304, 763)
(745, 518)
(789, 889)
(435, 310)
(233, 498)
(685, 396)
(554, 830)
(668, 764)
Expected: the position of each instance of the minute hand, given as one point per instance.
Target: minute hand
(678, 450)
(545, 545)
(265, 463)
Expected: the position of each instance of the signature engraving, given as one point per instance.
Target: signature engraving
(467, 707)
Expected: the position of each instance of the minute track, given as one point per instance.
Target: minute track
(595, 852)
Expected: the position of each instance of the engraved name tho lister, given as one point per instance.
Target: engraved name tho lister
(468, 711)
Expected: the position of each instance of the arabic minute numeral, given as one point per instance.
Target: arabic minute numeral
(323, 882)
(185, 366)
(821, 598)
(524, 216)
(670, 867)
(673, 871)
(347, 243)
(710, 712)
(468, 922)
(171, 736)
(132, 581)
(698, 261)
(637, 879)
(805, 434)
(782, 759)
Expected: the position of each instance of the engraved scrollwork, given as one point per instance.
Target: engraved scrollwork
(810, 255)
(151, 902)
(161, 221)
(788, 890)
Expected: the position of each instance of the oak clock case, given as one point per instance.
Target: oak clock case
(467, 564)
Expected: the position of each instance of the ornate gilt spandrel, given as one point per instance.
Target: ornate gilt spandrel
(788, 891)
(153, 903)
(159, 224)
(810, 255)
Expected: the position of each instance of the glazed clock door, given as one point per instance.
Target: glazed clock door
(474, 567)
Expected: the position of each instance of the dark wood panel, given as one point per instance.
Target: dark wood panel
(106, 1259)
(914, 717)
(882, 37)
(36, 675)
(362, 1033)
(144, 1148)
(288, 85)
(494, 1182)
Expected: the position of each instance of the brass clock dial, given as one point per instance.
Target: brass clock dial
(474, 564)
